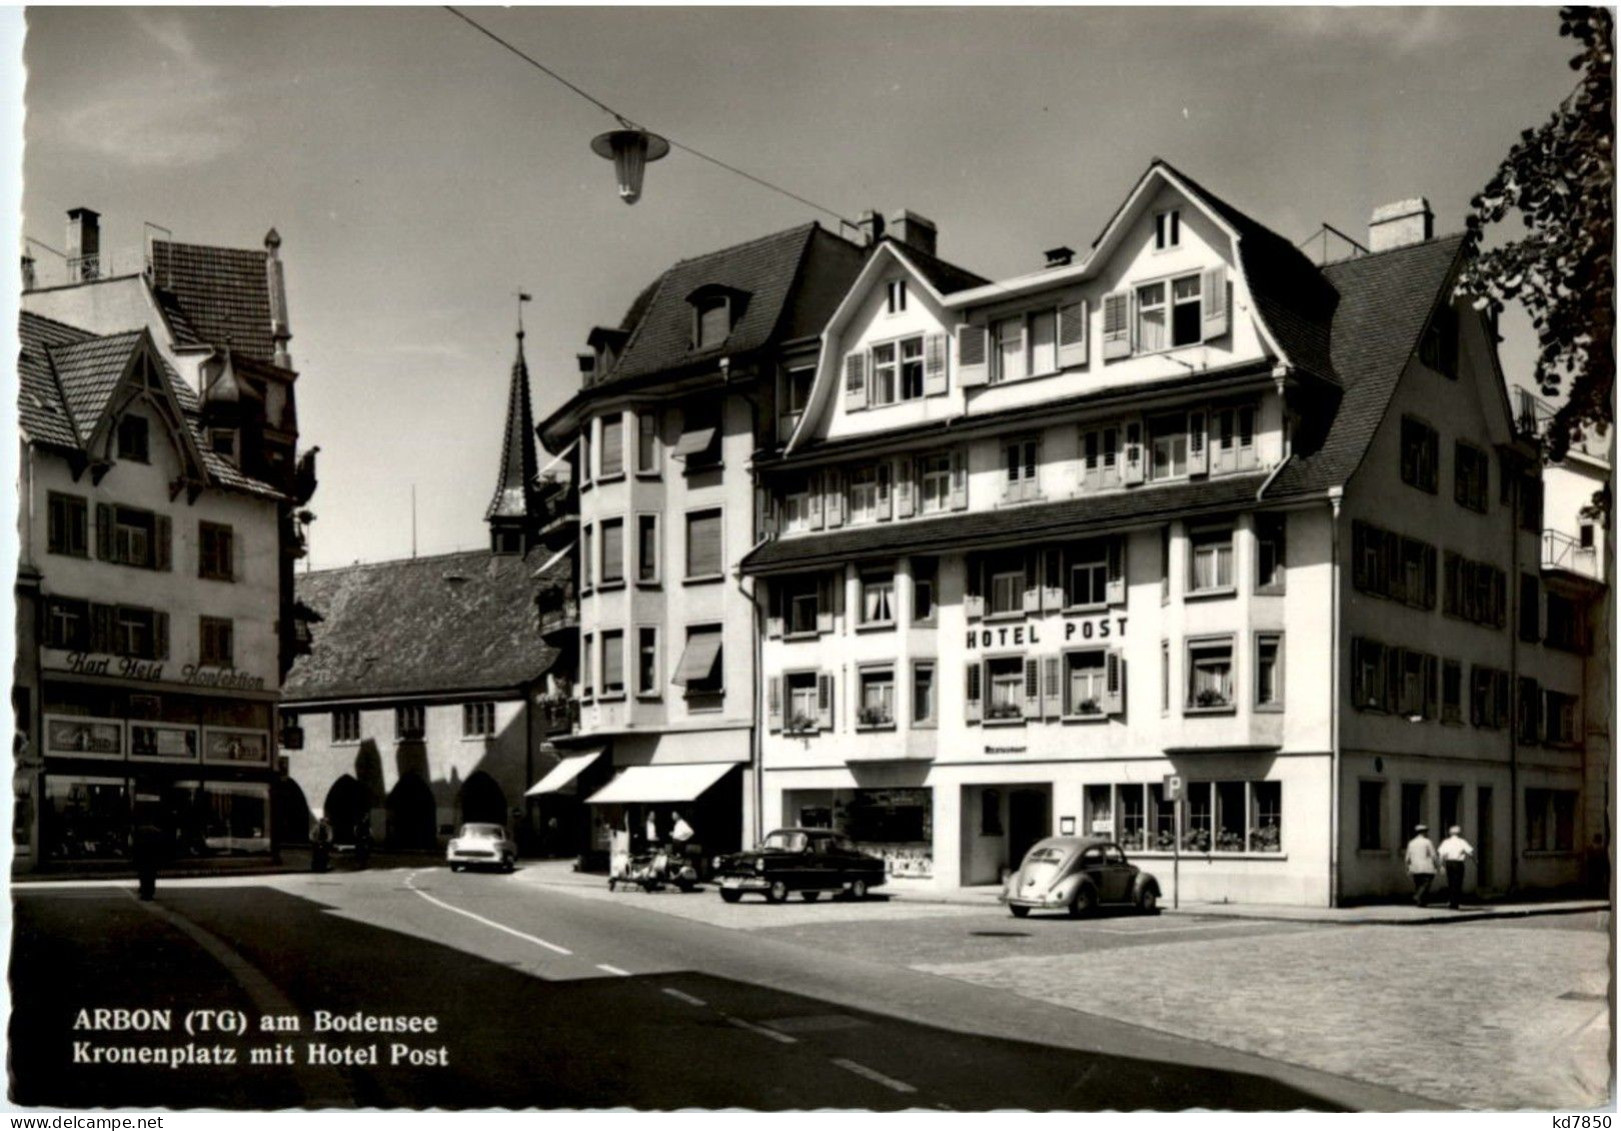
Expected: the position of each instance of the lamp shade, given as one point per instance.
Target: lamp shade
(630, 151)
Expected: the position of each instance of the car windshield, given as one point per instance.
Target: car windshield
(482, 832)
(784, 841)
(1045, 856)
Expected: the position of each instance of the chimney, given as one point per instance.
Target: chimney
(872, 226)
(84, 243)
(280, 335)
(1399, 224)
(914, 230)
(1060, 256)
(30, 279)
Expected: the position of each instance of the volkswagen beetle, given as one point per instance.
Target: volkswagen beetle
(1078, 874)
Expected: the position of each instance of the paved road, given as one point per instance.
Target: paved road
(551, 1000)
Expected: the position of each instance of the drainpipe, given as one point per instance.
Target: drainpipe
(1514, 696)
(1336, 496)
(756, 707)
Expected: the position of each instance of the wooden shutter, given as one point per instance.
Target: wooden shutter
(1032, 688)
(904, 488)
(886, 497)
(1114, 682)
(1499, 598)
(824, 701)
(825, 587)
(774, 703)
(1198, 445)
(1052, 579)
(813, 491)
(1135, 471)
(855, 381)
(1429, 577)
(1052, 687)
(1032, 581)
(1500, 698)
(162, 543)
(959, 480)
(1432, 697)
(1213, 292)
(160, 636)
(974, 680)
(833, 490)
(934, 365)
(1072, 333)
(1116, 586)
(1395, 663)
(971, 367)
(103, 627)
(104, 532)
(1116, 326)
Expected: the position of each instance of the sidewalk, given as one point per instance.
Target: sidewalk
(294, 860)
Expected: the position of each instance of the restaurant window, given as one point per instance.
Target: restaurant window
(704, 544)
(923, 707)
(647, 549)
(478, 719)
(1198, 828)
(877, 706)
(216, 643)
(133, 440)
(647, 661)
(878, 598)
(409, 720)
(215, 551)
(346, 724)
(1266, 816)
(613, 663)
(1210, 674)
(1231, 818)
(1211, 564)
(1088, 683)
(68, 525)
(1099, 811)
(1132, 828)
(1370, 816)
(612, 570)
(611, 451)
(925, 576)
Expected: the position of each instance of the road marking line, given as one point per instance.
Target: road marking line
(613, 969)
(410, 882)
(874, 1075)
(783, 1038)
(688, 998)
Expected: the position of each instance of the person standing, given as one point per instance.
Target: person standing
(1421, 864)
(1454, 852)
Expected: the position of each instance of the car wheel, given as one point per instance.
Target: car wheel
(508, 864)
(731, 896)
(778, 892)
(1148, 901)
(612, 883)
(1084, 903)
(455, 867)
(1019, 912)
(810, 896)
(858, 889)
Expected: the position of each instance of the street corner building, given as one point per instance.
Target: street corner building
(1188, 516)
(427, 697)
(157, 532)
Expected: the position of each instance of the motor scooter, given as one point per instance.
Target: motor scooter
(652, 869)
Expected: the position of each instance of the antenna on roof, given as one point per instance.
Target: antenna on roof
(1322, 233)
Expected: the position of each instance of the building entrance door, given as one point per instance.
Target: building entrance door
(1029, 819)
(1483, 838)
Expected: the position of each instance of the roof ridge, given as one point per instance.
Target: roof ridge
(422, 559)
(909, 249)
(731, 249)
(1432, 241)
(211, 247)
(57, 322)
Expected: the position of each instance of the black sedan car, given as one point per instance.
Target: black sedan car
(1077, 874)
(809, 861)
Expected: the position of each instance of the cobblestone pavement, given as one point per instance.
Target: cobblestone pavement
(1484, 1017)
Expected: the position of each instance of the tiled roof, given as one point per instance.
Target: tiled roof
(40, 404)
(1004, 525)
(88, 372)
(942, 276)
(222, 296)
(1386, 300)
(453, 622)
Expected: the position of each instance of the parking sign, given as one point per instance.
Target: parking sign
(1173, 787)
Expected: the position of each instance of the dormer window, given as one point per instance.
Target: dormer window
(1168, 229)
(895, 301)
(132, 439)
(223, 442)
(715, 310)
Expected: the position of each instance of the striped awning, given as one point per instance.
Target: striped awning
(562, 775)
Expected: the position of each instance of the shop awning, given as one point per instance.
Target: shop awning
(661, 783)
(562, 775)
(698, 659)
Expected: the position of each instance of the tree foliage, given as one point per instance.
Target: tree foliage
(1560, 178)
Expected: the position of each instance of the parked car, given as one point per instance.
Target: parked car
(1078, 874)
(809, 861)
(481, 845)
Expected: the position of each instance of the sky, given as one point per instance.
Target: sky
(420, 175)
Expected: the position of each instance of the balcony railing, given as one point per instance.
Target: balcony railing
(1562, 552)
(560, 618)
(54, 270)
(557, 715)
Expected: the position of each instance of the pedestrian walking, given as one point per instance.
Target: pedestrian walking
(321, 854)
(652, 829)
(148, 847)
(1421, 864)
(1454, 852)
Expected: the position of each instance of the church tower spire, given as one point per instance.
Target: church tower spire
(515, 513)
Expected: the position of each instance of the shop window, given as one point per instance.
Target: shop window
(478, 719)
(85, 818)
(923, 707)
(238, 818)
(346, 724)
(877, 708)
(68, 525)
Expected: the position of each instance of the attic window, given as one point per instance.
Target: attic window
(223, 442)
(1168, 229)
(896, 296)
(132, 439)
(715, 310)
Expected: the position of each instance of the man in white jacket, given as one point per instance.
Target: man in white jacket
(1421, 863)
(1454, 852)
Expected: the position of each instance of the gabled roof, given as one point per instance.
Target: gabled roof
(88, 371)
(214, 296)
(41, 407)
(515, 488)
(444, 624)
(942, 276)
(1386, 300)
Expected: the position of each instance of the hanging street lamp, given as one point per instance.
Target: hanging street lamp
(630, 150)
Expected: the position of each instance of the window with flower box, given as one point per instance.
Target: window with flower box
(1005, 677)
(1087, 680)
(1210, 674)
(877, 706)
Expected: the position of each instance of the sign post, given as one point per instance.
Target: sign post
(1173, 793)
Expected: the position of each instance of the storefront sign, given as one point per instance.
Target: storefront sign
(237, 747)
(1006, 749)
(232, 679)
(1021, 635)
(126, 667)
(158, 742)
(84, 738)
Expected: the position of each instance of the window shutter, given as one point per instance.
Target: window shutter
(814, 492)
(1395, 662)
(1134, 472)
(1499, 598)
(934, 365)
(775, 699)
(1198, 448)
(1359, 685)
(1114, 683)
(1052, 687)
(1116, 592)
(833, 489)
(824, 701)
(1116, 326)
(162, 543)
(1032, 688)
(959, 480)
(1543, 714)
(1213, 290)
(1476, 694)
(776, 609)
(886, 497)
(160, 636)
(1432, 675)
(1052, 580)
(855, 381)
(1429, 577)
(1072, 333)
(825, 586)
(1359, 565)
(971, 367)
(902, 472)
(103, 627)
(1032, 582)
(975, 675)
(1500, 698)
(104, 532)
